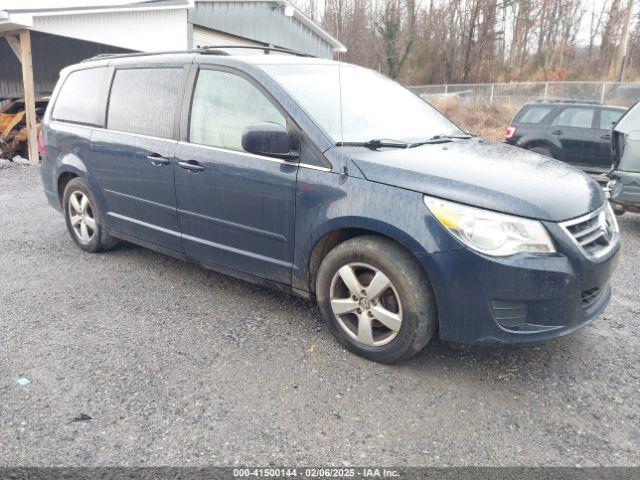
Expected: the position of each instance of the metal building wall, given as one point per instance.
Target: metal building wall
(261, 22)
(51, 53)
(146, 31)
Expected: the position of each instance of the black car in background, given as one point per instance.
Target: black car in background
(575, 132)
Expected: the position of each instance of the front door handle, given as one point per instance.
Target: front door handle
(606, 137)
(557, 132)
(157, 160)
(191, 166)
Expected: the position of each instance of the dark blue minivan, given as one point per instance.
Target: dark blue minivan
(332, 182)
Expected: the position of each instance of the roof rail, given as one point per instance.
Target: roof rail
(567, 100)
(204, 50)
(266, 49)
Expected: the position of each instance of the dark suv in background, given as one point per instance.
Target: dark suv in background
(575, 132)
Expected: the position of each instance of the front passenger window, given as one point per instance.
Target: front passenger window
(224, 104)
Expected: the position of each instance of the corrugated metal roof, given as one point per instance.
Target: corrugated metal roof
(70, 6)
(264, 21)
(146, 31)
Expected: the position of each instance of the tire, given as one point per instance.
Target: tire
(542, 151)
(80, 208)
(408, 298)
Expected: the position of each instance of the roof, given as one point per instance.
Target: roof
(20, 14)
(211, 56)
(30, 14)
(338, 46)
(570, 102)
(35, 7)
(236, 9)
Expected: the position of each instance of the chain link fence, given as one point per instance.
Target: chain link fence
(610, 93)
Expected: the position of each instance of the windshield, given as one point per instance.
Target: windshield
(373, 106)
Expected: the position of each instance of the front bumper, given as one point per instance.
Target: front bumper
(520, 299)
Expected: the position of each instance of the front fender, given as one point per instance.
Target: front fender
(324, 205)
(373, 225)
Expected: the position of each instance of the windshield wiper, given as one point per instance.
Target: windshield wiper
(388, 143)
(375, 144)
(443, 138)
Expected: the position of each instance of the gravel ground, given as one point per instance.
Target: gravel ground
(177, 365)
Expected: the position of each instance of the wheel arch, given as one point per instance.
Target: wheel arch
(541, 143)
(71, 166)
(337, 233)
(63, 179)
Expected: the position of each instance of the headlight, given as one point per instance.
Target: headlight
(489, 232)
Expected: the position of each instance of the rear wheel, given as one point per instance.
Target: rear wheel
(84, 219)
(376, 300)
(542, 151)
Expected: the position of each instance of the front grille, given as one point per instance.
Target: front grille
(595, 234)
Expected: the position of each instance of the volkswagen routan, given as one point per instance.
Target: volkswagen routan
(333, 182)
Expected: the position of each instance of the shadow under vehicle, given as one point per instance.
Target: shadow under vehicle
(624, 186)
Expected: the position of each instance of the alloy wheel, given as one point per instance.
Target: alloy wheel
(81, 216)
(366, 304)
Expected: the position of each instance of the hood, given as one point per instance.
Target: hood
(488, 175)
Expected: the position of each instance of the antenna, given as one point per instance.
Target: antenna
(343, 170)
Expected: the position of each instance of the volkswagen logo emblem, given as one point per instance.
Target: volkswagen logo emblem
(365, 303)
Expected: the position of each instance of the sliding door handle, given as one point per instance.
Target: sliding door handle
(191, 166)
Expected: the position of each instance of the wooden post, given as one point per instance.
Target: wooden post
(29, 95)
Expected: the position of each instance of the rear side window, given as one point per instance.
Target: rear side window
(608, 118)
(224, 104)
(81, 98)
(533, 114)
(144, 100)
(575, 117)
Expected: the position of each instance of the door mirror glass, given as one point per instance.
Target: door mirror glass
(267, 138)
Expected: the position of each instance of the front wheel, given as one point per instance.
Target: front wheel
(376, 300)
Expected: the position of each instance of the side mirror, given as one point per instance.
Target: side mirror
(269, 139)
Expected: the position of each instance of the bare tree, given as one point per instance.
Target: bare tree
(436, 41)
